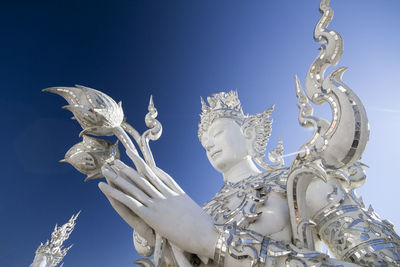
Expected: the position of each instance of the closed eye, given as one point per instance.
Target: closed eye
(218, 133)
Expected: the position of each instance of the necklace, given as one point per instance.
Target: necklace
(239, 202)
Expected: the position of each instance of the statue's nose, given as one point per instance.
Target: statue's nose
(209, 144)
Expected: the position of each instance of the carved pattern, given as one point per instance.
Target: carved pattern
(356, 234)
(251, 193)
(261, 250)
(241, 243)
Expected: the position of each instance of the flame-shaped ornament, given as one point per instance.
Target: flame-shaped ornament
(96, 112)
(90, 155)
(340, 142)
(336, 146)
(276, 155)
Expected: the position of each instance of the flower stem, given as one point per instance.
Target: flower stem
(124, 138)
(132, 131)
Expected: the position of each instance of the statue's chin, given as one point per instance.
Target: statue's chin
(221, 167)
(231, 165)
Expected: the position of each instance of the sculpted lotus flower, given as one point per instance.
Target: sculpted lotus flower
(96, 112)
(90, 155)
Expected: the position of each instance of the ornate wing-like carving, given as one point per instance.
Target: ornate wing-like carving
(336, 146)
(341, 141)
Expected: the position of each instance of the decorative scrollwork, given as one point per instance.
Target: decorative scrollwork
(356, 234)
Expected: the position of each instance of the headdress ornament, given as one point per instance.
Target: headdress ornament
(221, 105)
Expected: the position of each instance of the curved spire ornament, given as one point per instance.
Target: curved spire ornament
(341, 141)
(336, 146)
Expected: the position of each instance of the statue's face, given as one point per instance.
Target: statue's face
(225, 144)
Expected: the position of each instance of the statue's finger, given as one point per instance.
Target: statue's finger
(134, 205)
(148, 172)
(111, 183)
(126, 178)
(132, 219)
(147, 185)
(125, 186)
(168, 180)
(154, 173)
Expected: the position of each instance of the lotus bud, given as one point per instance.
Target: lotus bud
(97, 113)
(90, 155)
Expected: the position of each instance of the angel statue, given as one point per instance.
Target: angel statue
(265, 214)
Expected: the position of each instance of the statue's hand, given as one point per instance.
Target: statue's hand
(131, 218)
(162, 204)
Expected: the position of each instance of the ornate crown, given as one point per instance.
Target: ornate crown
(221, 105)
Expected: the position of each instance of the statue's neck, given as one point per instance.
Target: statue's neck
(240, 171)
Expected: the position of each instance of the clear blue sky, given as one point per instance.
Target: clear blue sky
(177, 51)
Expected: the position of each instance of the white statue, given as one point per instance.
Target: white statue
(52, 252)
(273, 217)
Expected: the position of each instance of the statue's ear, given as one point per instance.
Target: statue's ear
(257, 129)
(250, 134)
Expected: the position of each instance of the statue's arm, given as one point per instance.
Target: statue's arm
(351, 232)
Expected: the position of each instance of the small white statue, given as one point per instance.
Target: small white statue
(273, 217)
(52, 252)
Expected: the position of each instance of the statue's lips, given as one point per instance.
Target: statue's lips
(216, 153)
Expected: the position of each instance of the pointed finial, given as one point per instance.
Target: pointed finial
(203, 103)
(151, 103)
(77, 214)
(370, 209)
(299, 88)
(151, 108)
